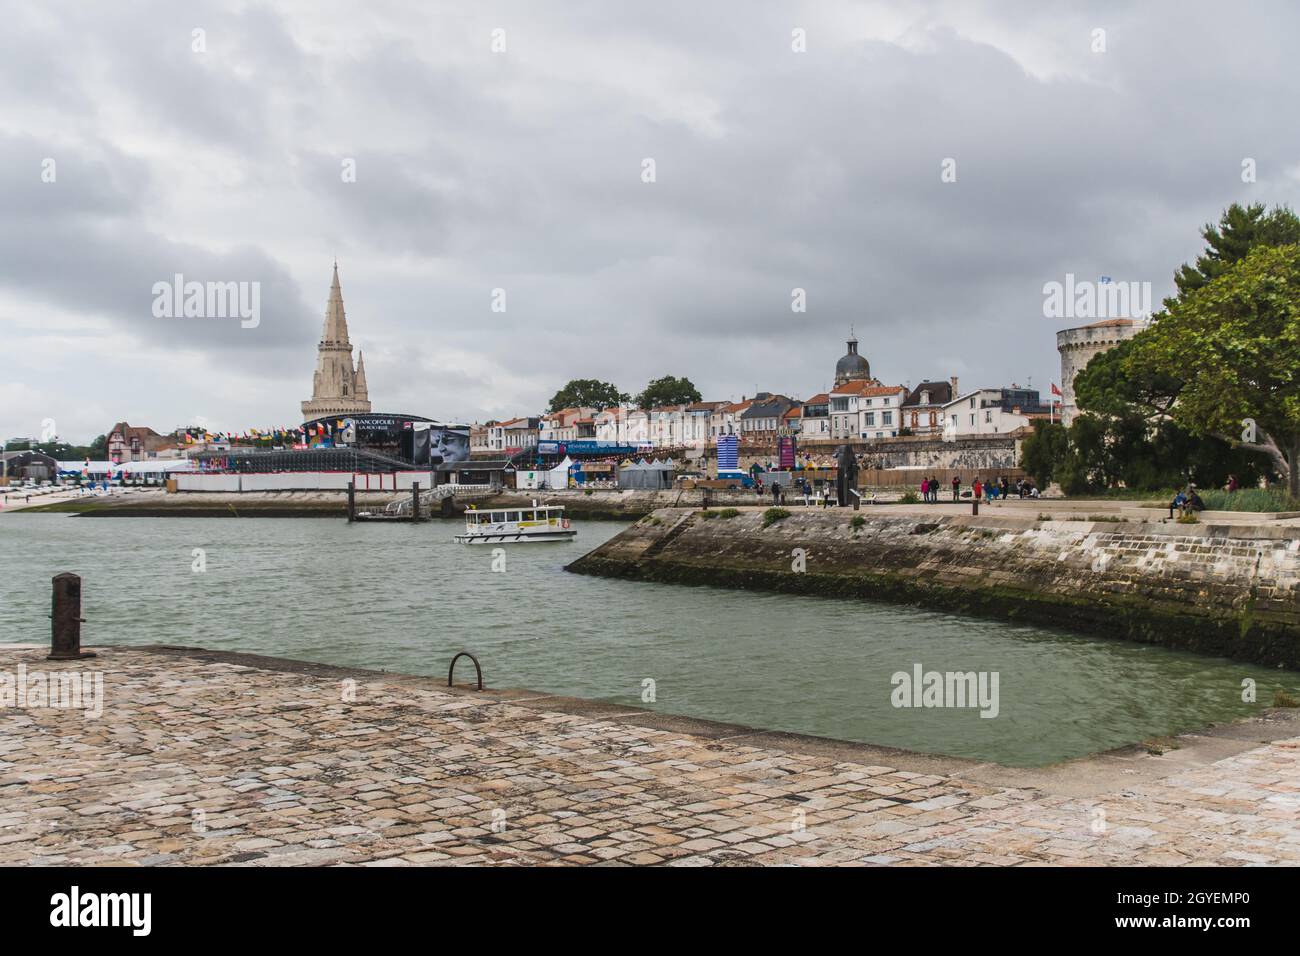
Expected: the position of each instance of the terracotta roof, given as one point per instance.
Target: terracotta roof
(819, 399)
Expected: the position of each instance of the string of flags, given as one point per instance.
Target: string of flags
(302, 433)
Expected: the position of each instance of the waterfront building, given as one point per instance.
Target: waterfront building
(478, 438)
(725, 419)
(923, 410)
(697, 426)
(1077, 347)
(562, 425)
(863, 408)
(515, 435)
(989, 411)
(30, 465)
(338, 387)
(761, 421)
(137, 442)
(815, 418)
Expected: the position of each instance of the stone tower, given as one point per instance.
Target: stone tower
(1077, 347)
(338, 387)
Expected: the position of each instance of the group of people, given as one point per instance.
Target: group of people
(985, 490)
(1188, 501)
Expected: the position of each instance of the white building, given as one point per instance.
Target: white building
(864, 409)
(980, 413)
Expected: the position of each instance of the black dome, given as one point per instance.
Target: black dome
(852, 366)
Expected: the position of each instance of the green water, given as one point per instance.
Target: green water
(406, 598)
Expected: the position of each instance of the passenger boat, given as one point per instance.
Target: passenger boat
(516, 525)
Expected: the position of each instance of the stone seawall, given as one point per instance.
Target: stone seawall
(1227, 590)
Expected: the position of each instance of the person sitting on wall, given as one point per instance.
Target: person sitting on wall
(1194, 502)
(1179, 503)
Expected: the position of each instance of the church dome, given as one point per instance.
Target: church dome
(852, 367)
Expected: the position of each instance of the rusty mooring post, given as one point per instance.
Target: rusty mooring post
(415, 501)
(974, 505)
(65, 619)
(352, 501)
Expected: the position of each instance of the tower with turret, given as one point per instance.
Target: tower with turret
(338, 386)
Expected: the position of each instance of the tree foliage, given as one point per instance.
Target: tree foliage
(1240, 229)
(1235, 342)
(586, 393)
(668, 390)
(1161, 405)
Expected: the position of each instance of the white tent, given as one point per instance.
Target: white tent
(555, 478)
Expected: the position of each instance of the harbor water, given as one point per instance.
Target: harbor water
(405, 598)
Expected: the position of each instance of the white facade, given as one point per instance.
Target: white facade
(979, 413)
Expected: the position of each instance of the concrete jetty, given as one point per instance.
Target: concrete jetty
(1227, 586)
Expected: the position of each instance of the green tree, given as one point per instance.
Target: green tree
(1044, 452)
(668, 390)
(1235, 343)
(1137, 439)
(1240, 229)
(586, 393)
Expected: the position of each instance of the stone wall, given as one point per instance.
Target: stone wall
(1230, 591)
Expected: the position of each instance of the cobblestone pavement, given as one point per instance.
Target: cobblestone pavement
(200, 759)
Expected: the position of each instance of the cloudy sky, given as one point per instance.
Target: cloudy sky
(522, 170)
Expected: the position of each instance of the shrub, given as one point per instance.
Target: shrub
(728, 513)
(772, 515)
(1282, 699)
(857, 522)
(1189, 518)
(708, 515)
(910, 498)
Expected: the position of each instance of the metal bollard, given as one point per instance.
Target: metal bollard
(974, 506)
(66, 619)
(415, 501)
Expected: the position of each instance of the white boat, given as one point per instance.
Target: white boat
(516, 525)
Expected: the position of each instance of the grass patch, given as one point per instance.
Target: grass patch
(1104, 518)
(1249, 499)
(772, 515)
(728, 513)
(1282, 699)
(708, 515)
(1189, 518)
(857, 522)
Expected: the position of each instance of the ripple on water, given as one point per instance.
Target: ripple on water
(406, 598)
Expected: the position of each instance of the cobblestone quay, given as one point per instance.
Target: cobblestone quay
(209, 758)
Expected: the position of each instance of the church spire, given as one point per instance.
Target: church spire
(336, 320)
(359, 380)
(338, 388)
